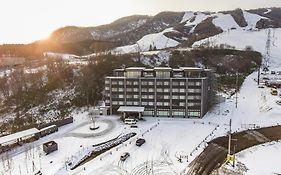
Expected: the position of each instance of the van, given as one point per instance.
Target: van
(130, 121)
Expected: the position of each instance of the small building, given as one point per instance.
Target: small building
(20, 137)
(50, 147)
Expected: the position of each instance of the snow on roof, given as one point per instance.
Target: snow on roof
(162, 68)
(18, 135)
(130, 109)
(48, 127)
(191, 68)
(135, 68)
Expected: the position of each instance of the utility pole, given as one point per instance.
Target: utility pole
(236, 95)
(229, 138)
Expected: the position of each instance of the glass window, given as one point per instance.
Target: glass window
(198, 83)
(182, 83)
(151, 103)
(159, 90)
(191, 83)
(166, 97)
(114, 89)
(133, 74)
(129, 103)
(120, 89)
(151, 96)
(136, 83)
(135, 103)
(114, 82)
(191, 90)
(136, 89)
(151, 83)
(182, 97)
(166, 103)
(166, 90)
(150, 90)
(136, 96)
(159, 83)
(182, 90)
(129, 90)
(144, 83)
(144, 90)
(166, 83)
(175, 83)
(121, 96)
(121, 83)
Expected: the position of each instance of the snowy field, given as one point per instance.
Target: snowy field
(253, 158)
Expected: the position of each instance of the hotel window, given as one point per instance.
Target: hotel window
(191, 90)
(106, 88)
(129, 83)
(159, 90)
(166, 103)
(151, 103)
(175, 83)
(129, 96)
(121, 96)
(144, 96)
(195, 113)
(129, 103)
(182, 97)
(136, 103)
(144, 90)
(144, 103)
(136, 96)
(114, 89)
(175, 90)
(136, 83)
(114, 82)
(163, 74)
(190, 97)
(120, 89)
(191, 83)
(198, 83)
(136, 89)
(115, 103)
(121, 83)
(175, 97)
(151, 96)
(182, 104)
(129, 89)
(159, 83)
(197, 90)
(166, 97)
(144, 83)
(121, 102)
(166, 83)
(182, 90)
(159, 103)
(166, 90)
(151, 83)
(182, 83)
(133, 74)
(150, 90)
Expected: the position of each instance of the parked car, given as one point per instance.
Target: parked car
(278, 102)
(124, 156)
(134, 126)
(130, 121)
(140, 141)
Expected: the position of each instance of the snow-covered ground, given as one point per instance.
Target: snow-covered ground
(165, 142)
(253, 159)
(257, 39)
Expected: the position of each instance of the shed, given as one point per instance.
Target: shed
(50, 147)
(18, 136)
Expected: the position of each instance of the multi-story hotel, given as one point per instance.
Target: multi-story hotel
(162, 91)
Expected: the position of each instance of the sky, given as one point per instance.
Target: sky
(24, 21)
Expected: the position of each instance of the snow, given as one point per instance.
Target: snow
(257, 39)
(253, 158)
(268, 11)
(225, 22)
(157, 40)
(187, 16)
(130, 109)
(199, 17)
(252, 19)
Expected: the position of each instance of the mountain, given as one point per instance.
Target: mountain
(170, 29)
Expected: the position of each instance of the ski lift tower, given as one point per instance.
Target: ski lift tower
(266, 57)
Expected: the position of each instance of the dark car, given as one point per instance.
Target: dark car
(140, 141)
(124, 156)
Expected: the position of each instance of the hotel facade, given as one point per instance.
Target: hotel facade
(162, 91)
